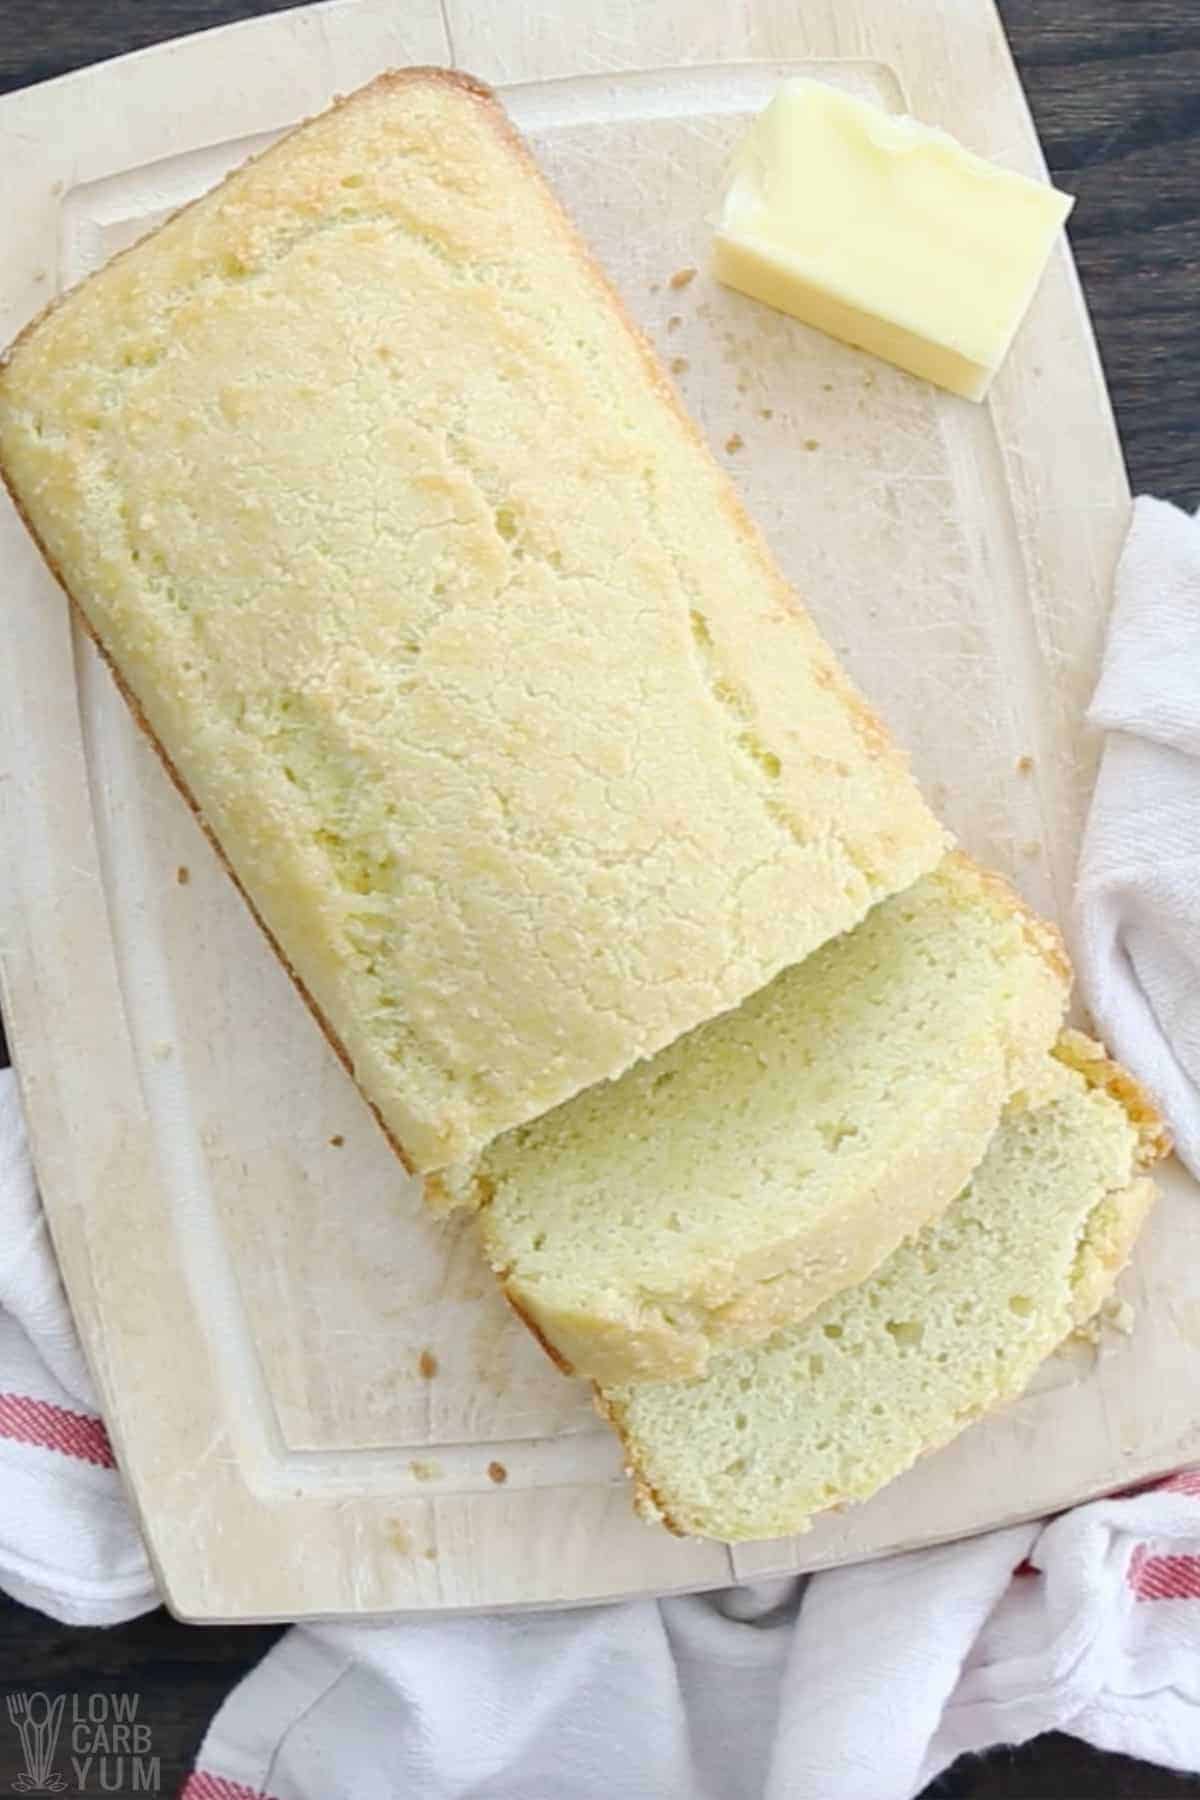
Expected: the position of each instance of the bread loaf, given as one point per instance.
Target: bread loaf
(444, 619)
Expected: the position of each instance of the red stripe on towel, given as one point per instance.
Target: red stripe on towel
(1163, 1577)
(50, 1427)
(200, 1785)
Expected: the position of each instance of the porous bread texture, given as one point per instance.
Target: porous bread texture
(953, 1324)
(779, 1153)
(444, 619)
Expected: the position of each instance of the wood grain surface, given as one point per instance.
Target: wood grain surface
(1115, 89)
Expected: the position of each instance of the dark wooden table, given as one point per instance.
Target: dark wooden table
(1115, 88)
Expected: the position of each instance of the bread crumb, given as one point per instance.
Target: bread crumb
(183, 874)
(336, 1141)
(674, 322)
(39, 274)
(1031, 849)
(682, 277)
(811, 444)
(430, 1555)
(735, 442)
(766, 412)
(56, 188)
(427, 1365)
(827, 387)
(497, 1473)
(162, 1052)
(1024, 765)
(425, 1471)
(654, 287)
(678, 364)
(1119, 1314)
(400, 1538)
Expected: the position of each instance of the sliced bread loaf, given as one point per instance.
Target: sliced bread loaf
(444, 618)
(952, 1324)
(779, 1153)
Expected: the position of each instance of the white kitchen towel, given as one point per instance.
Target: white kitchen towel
(68, 1543)
(1137, 915)
(861, 1684)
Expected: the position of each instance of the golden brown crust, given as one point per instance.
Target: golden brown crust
(1090, 1059)
(438, 1197)
(425, 72)
(1112, 1234)
(1045, 938)
(646, 1500)
(531, 1324)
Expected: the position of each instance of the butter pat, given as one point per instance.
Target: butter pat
(885, 233)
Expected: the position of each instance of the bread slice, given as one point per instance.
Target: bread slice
(951, 1325)
(444, 619)
(781, 1152)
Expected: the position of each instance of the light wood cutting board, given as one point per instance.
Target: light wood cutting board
(318, 1401)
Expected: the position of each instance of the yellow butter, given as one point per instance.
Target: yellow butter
(885, 233)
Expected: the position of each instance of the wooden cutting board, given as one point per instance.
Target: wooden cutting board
(319, 1403)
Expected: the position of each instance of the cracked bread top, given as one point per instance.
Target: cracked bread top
(444, 618)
